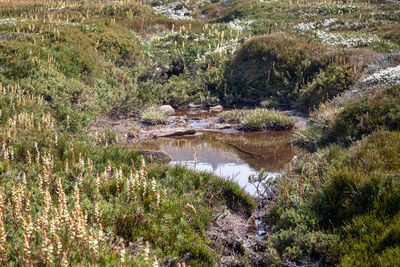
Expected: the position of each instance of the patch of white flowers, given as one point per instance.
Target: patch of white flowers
(316, 24)
(8, 21)
(228, 48)
(56, 8)
(352, 25)
(386, 77)
(338, 39)
(239, 25)
(175, 11)
(65, 23)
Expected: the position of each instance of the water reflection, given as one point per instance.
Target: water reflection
(233, 155)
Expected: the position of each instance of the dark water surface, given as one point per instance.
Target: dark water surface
(230, 154)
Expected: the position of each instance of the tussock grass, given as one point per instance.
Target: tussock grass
(307, 138)
(258, 119)
(153, 115)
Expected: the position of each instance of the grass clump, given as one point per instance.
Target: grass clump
(307, 138)
(153, 115)
(258, 119)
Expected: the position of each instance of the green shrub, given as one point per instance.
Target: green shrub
(326, 85)
(15, 60)
(364, 182)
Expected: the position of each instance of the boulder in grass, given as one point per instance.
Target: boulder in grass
(167, 109)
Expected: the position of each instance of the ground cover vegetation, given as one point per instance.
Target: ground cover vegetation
(69, 195)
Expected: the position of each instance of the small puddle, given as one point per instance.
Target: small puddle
(228, 153)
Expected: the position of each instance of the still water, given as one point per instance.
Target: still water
(230, 154)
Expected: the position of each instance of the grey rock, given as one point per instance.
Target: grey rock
(167, 109)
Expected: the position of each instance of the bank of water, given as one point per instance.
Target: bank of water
(228, 153)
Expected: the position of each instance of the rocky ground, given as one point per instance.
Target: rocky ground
(187, 122)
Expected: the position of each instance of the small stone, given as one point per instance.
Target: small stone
(167, 109)
(194, 105)
(217, 108)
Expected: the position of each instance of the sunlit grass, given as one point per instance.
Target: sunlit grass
(154, 116)
(258, 119)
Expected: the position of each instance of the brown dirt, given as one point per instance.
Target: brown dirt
(135, 131)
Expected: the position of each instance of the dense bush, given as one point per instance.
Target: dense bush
(326, 85)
